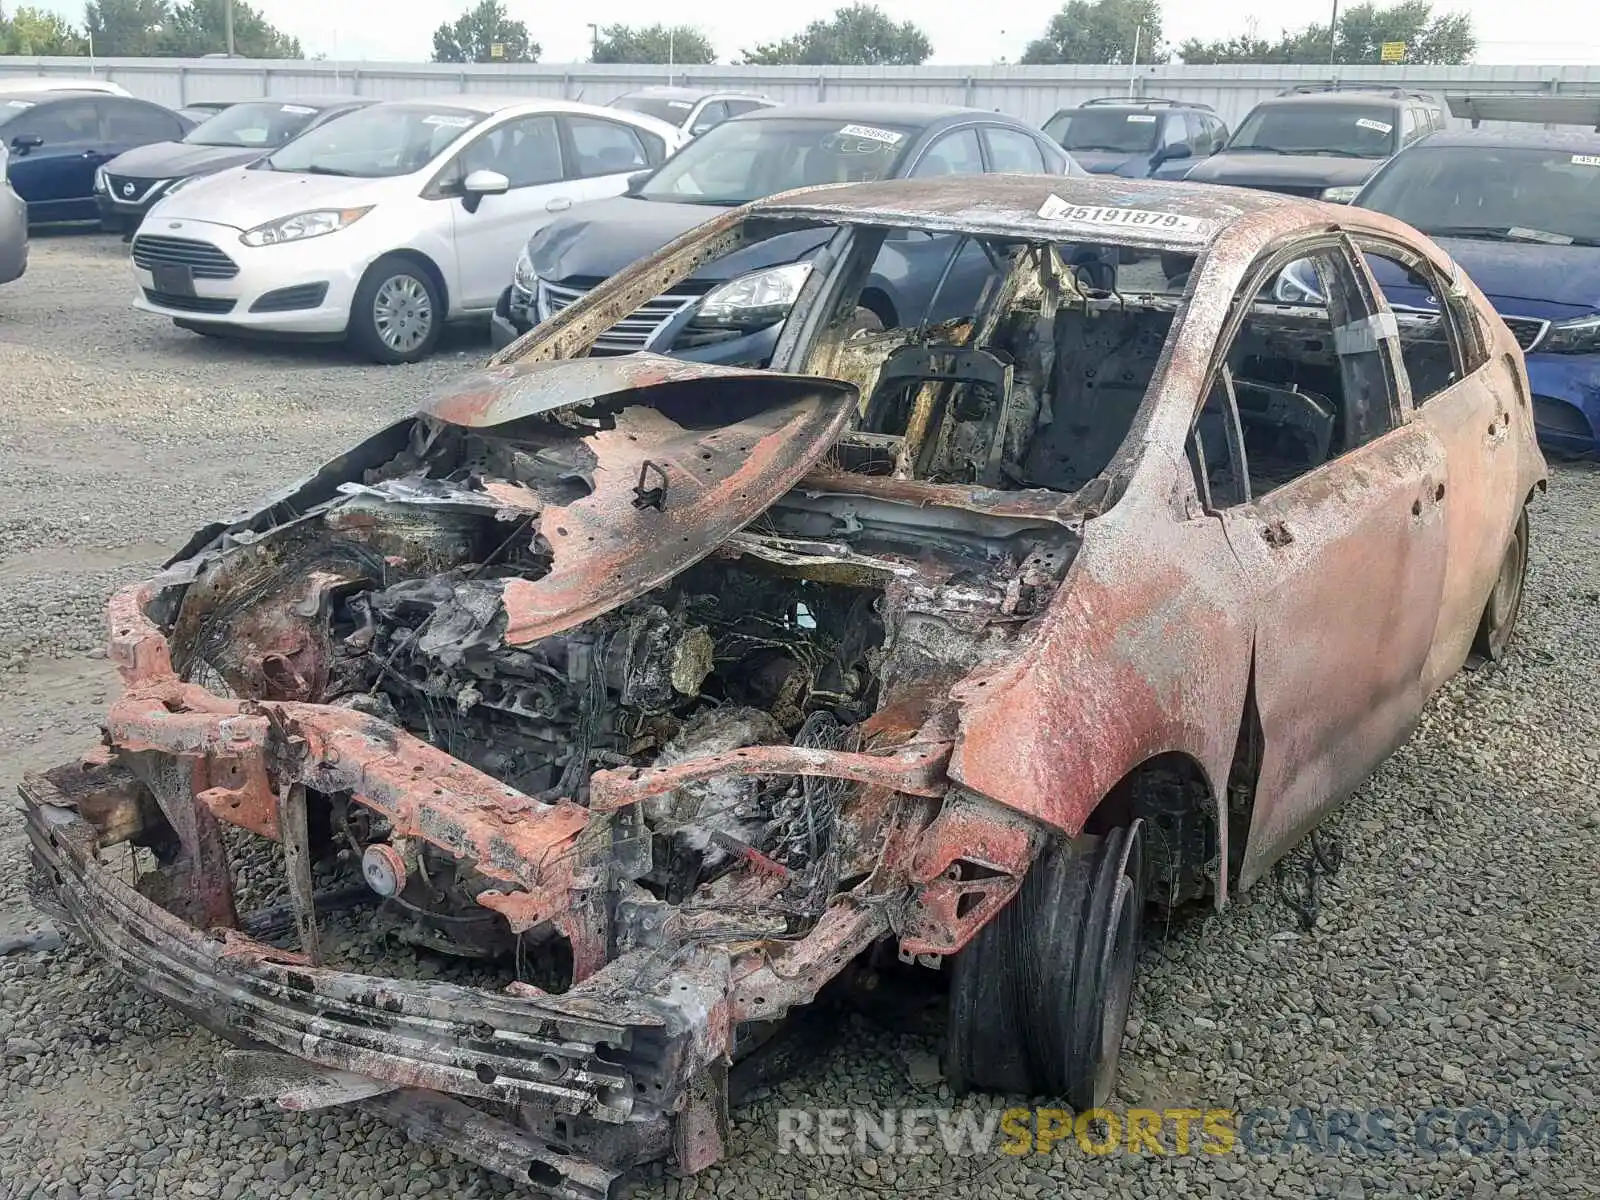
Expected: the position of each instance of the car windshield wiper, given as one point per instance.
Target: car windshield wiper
(314, 169)
(1509, 233)
(1339, 150)
(1262, 149)
(1107, 149)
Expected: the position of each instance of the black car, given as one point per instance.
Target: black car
(733, 312)
(130, 184)
(203, 110)
(1321, 141)
(58, 140)
(1146, 138)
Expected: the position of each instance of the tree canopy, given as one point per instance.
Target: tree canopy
(156, 28)
(473, 35)
(1100, 31)
(37, 32)
(652, 44)
(1446, 39)
(860, 34)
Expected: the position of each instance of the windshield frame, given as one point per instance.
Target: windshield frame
(709, 145)
(463, 121)
(312, 116)
(1353, 112)
(1397, 181)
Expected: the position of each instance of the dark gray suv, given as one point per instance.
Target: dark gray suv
(1322, 140)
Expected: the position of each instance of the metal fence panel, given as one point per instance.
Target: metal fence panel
(1029, 92)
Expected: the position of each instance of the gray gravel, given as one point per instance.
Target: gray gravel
(1454, 961)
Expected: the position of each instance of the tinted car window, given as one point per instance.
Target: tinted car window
(1348, 130)
(714, 113)
(129, 121)
(604, 148)
(1012, 150)
(64, 123)
(739, 107)
(526, 151)
(1116, 130)
(740, 161)
(954, 154)
(1493, 193)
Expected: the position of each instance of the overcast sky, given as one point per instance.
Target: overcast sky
(1509, 31)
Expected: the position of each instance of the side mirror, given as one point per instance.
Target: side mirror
(636, 182)
(481, 183)
(25, 142)
(1174, 151)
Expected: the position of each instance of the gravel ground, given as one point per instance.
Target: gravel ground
(1453, 962)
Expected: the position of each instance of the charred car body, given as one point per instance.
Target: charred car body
(962, 638)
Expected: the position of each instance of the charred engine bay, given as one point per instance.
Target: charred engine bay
(388, 598)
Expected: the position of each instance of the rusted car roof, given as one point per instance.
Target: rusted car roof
(1010, 206)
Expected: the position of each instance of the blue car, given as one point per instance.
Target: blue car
(1138, 138)
(56, 141)
(1519, 210)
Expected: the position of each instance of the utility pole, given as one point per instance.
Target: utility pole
(594, 40)
(671, 33)
(227, 23)
(1133, 71)
(1333, 35)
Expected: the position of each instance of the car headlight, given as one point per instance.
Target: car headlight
(1581, 336)
(304, 225)
(1297, 284)
(100, 184)
(754, 300)
(5, 161)
(1341, 195)
(524, 275)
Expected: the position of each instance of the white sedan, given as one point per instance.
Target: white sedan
(383, 225)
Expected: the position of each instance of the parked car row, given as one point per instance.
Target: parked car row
(514, 209)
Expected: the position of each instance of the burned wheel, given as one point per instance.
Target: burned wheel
(1500, 614)
(1039, 998)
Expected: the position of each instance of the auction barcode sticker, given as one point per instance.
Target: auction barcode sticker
(872, 133)
(299, 110)
(444, 121)
(1057, 209)
(1141, 118)
(1586, 160)
(1369, 123)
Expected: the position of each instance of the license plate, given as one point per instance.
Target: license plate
(174, 279)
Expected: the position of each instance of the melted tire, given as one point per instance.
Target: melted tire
(1498, 624)
(1039, 998)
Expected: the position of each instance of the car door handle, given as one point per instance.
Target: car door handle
(559, 204)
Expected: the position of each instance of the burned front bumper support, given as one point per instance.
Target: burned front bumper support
(559, 1061)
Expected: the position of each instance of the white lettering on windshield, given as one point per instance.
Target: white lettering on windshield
(1369, 123)
(1586, 160)
(447, 122)
(872, 133)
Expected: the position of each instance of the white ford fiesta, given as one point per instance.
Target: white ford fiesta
(381, 226)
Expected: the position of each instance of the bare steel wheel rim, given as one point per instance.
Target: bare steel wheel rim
(402, 313)
(1503, 603)
(1121, 947)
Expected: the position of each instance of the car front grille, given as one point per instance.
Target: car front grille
(195, 304)
(206, 260)
(627, 335)
(125, 189)
(1529, 331)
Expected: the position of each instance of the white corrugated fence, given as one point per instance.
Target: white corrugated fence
(1030, 92)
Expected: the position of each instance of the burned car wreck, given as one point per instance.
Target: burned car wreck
(670, 690)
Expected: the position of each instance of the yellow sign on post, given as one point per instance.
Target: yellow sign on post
(1393, 52)
(498, 50)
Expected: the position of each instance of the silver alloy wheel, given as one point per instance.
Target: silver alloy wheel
(402, 313)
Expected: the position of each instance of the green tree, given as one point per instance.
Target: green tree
(1444, 40)
(652, 44)
(201, 27)
(861, 34)
(33, 31)
(127, 28)
(472, 36)
(1100, 31)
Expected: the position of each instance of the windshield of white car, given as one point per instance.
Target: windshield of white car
(740, 161)
(671, 111)
(1342, 130)
(376, 143)
(1493, 193)
(266, 124)
(1120, 132)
